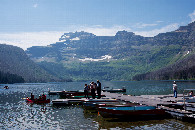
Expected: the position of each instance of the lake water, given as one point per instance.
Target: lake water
(15, 113)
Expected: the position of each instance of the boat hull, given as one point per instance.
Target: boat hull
(125, 113)
(38, 101)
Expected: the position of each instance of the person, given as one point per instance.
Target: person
(31, 96)
(191, 94)
(99, 89)
(86, 89)
(43, 96)
(93, 87)
(175, 89)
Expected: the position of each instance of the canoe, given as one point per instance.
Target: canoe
(69, 94)
(83, 96)
(79, 101)
(130, 112)
(117, 105)
(114, 90)
(79, 92)
(101, 100)
(60, 102)
(37, 101)
(96, 105)
(65, 102)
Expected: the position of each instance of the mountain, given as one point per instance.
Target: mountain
(85, 56)
(182, 69)
(16, 66)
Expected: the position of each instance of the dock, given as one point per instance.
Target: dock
(176, 107)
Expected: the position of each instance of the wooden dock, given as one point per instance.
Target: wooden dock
(174, 106)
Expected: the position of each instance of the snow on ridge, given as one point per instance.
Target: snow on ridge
(106, 57)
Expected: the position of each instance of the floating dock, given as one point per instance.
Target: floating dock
(176, 107)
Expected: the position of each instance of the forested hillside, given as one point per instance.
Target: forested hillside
(15, 66)
(85, 56)
(6, 78)
(183, 70)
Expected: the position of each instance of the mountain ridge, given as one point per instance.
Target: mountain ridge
(131, 54)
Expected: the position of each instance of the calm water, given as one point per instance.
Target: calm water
(15, 113)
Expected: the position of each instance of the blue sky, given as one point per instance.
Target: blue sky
(27, 23)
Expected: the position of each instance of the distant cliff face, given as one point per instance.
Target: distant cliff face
(13, 60)
(125, 52)
(124, 44)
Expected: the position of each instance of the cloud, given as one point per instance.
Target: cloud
(155, 32)
(192, 16)
(143, 25)
(35, 5)
(25, 40)
(99, 30)
(159, 21)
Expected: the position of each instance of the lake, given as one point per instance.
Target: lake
(17, 114)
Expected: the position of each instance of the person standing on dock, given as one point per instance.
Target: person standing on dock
(99, 89)
(93, 87)
(86, 89)
(175, 89)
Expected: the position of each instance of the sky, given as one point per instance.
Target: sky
(26, 23)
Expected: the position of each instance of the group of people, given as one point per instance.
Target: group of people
(93, 87)
(41, 97)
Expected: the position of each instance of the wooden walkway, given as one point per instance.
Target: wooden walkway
(173, 106)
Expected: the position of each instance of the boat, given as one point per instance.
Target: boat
(42, 99)
(79, 101)
(38, 101)
(54, 92)
(123, 104)
(114, 90)
(96, 105)
(68, 94)
(65, 102)
(6, 87)
(130, 112)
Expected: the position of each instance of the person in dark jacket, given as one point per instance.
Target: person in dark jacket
(86, 89)
(99, 89)
(93, 88)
